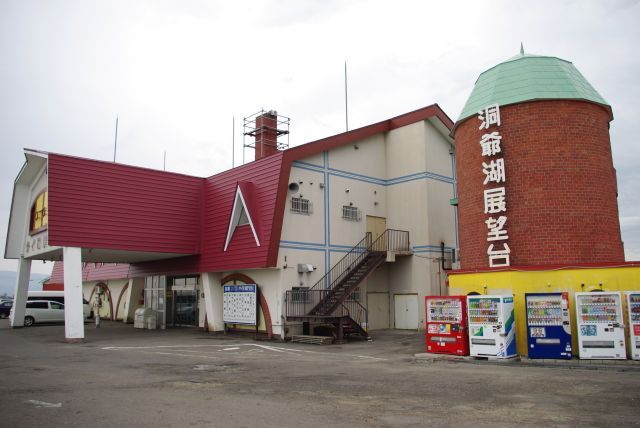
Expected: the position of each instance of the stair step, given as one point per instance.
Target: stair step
(312, 340)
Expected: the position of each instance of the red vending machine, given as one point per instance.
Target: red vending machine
(447, 331)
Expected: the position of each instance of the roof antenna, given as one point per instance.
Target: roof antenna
(521, 49)
(346, 101)
(115, 143)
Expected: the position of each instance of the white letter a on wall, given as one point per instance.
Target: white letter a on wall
(243, 212)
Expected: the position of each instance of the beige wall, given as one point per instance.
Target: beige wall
(386, 176)
(108, 312)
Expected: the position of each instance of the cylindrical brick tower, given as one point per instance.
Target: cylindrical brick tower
(536, 183)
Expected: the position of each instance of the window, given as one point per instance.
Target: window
(184, 280)
(300, 206)
(38, 305)
(300, 294)
(244, 219)
(39, 213)
(351, 213)
(56, 305)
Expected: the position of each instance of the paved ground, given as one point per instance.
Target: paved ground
(126, 377)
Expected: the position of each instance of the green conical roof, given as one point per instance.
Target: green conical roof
(527, 77)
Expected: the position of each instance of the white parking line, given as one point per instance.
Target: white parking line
(201, 351)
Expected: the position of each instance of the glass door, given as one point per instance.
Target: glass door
(185, 304)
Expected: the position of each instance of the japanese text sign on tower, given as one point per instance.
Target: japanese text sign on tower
(495, 199)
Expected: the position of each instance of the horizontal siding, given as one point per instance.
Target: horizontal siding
(264, 176)
(92, 272)
(94, 204)
(243, 253)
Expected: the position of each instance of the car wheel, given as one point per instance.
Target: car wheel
(29, 321)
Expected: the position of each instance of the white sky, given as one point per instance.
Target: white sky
(176, 72)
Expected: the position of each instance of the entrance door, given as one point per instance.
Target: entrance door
(406, 311)
(378, 310)
(376, 225)
(185, 303)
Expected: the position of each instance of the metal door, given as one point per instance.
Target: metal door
(378, 310)
(376, 225)
(406, 311)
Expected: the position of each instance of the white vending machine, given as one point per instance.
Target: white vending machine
(491, 326)
(633, 307)
(600, 325)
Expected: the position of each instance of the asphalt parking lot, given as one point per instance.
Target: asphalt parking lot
(121, 376)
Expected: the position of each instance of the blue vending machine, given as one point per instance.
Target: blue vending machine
(548, 325)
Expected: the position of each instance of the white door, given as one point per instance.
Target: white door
(406, 311)
(378, 310)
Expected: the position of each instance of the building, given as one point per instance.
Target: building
(348, 232)
(537, 189)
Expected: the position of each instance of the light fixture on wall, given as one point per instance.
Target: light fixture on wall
(346, 190)
(355, 146)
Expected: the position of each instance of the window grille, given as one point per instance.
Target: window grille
(300, 294)
(351, 213)
(301, 206)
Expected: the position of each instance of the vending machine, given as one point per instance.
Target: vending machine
(600, 325)
(491, 326)
(548, 325)
(447, 324)
(633, 307)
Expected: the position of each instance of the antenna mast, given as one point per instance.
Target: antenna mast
(115, 143)
(346, 101)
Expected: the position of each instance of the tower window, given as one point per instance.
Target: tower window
(39, 213)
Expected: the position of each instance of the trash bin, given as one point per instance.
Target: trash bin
(139, 318)
(150, 321)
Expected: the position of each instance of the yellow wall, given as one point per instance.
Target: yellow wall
(520, 282)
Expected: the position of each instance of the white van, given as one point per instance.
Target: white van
(38, 311)
(58, 296)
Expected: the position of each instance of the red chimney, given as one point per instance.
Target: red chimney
(266, 134)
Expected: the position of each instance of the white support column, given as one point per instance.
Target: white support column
(20, 293)
(213, 300)
(73, 308)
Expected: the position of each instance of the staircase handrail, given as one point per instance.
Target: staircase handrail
(360, 309)
(345, 264)
(389, 240)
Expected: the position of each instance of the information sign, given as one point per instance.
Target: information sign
(240, 304)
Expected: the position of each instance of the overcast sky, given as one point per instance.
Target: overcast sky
(176, 72)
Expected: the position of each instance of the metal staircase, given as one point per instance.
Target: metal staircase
(331, 300)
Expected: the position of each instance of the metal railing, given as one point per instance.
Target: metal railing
(300, 302)
(391, 240)
(346, 264)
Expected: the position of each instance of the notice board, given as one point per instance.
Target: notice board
(240, 304)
